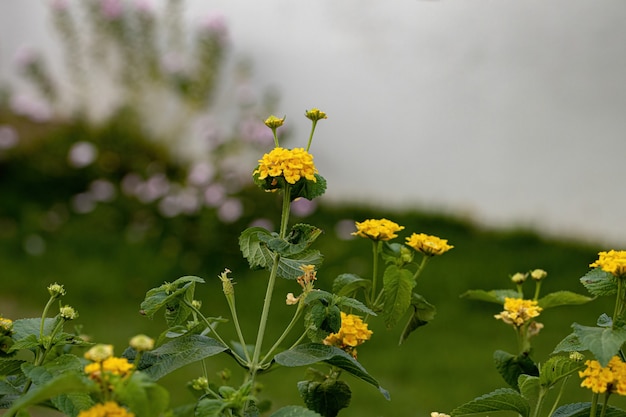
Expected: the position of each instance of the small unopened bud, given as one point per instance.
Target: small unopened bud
(538, 274)
(200, 384)
(315, 114)
(519, 278)
(576, 356)
(436, 414)
(274, 122)
(56, 290)
(197, 304)
(142, 343)
(291, 299)
(227, 284)
(6, 326)
(68, 313)
(99, 353)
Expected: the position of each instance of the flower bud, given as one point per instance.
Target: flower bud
(68, 313)
(200, 384)
(519, 278)
(142, 343)
(576, 356)
(6, 326)
(538, 274)
(227, 284)
(274, 122)
(56, 290)
(315, 114)
(197, 304)
(99, 353)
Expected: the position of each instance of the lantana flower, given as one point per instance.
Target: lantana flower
(108, 409)
(111, 366)
(290, 164)
(377, 229)
(352, 333)
(518, 311)
(613, 262)
(427, 244)
(599, 379)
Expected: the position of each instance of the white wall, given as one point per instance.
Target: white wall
(510, 112)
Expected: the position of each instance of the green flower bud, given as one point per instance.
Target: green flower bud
(142, 343)
(519, 278)
(99, 353)
(6, 326)
(538, 274)
(200, 384)
(68, 313)
(274, 122)
(315, 114)
(56, 290)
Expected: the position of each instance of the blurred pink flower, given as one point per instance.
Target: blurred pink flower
(303, 207)
(82, 154)
(111, 9)
(59, 5)
(102, 190)
(200, 173)
(36, 110)
(214, 194)
(8, 137)
(230, 211)
(25, 56)
(255, 131)
(145, 7)
(215, 24)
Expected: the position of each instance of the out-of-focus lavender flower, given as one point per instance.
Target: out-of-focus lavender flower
(59, 5)
(215, 24)
(200, 174)
(111, 9)
(154, 188)
(173, 63)
(8, 137)
(214, 195)
(254, 131)
(267, 224)
(102, 190)
(145, 7)
(25, 57)
(230, 211)
(83, 203)
(344, 229)
(303, 207)
(130, 183)
(245, 95)
(82, 154)
(36, 110)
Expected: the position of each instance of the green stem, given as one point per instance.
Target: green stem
(308, 146)
(594, 405)
(44, 315)
(300, 339)
(558, 397)
(618, 302)
(425, 260)
(375, 250)
(275, 137)
(288, 329)
(537, 289)
(605, 403)
(233, 312)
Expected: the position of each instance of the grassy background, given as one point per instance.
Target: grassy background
(442, 365)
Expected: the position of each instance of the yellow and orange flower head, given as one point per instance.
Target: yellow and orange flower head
(427, 244)
(613, 262)
(611, 378)
(353, 332)
(290, 164)
(518, 311)
(377, 229)
(110, 366)
(108, 409)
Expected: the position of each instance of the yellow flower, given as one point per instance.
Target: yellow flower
(291, 164)
(613, 262)
(352, 333)
(274, 122)
(6, 326)
(600, 379)
(112, 366)
(315, 114)
(428, 245)
(518, 311)
(108, 409)
(381, 229)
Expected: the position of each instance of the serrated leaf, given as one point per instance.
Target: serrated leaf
(175, 354)
(398, 284)
(583, 409)
(253, 248)
(348, 284)
(354, 304)
(569, 344)
(557, 368)
(308, 189)
(327, 397)
(209, 407)
(290, 268)
(23, 328)
(10, 367)
(310, 353)
(423, 313)
(603, 342)
(530, 388)
(502, 399)
(511, 367)
(599, 282)
(493, 296)
(561, 298)
(168, 293)
(29, 342)
(322, 319)
(294, 411)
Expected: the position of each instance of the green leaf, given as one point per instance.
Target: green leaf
(561, 298)
(308, 189)
(502, 399)
(348, 284)
(210, 407)
(253, 248)
(29, 342)
(493, 296)
(530, 388)
(599, 282)
(327, 397)
(557, 368)
(66, 383)
(353, 304)
(294, 411)
(290, 268)
(311, 353)
(321, 319)
(511, 367)
(603, 342)
(583, 409)
(423, 313)
(569, 344)
(299, 238)
(168, 293)
(175, 354)
(26, 327)
(142, 395)
(398, 284)
(10, 366)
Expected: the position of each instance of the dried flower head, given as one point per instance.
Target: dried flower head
(427, 244)
(518, 311)
(377, 229)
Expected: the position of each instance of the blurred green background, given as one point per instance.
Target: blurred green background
(110, 207)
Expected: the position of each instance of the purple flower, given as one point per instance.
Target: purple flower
(8, 137)
(230, 211)
(82, 154)
(59, 5)
(111, 9)
(303, 207)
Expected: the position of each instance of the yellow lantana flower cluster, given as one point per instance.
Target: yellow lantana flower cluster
(518, 311)
(6, 326)
(352, 333)
(381, 229)
(291, 164)
(108, 409)
(600, 379)
(613, 262)
(111, 366)
(427, 244)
